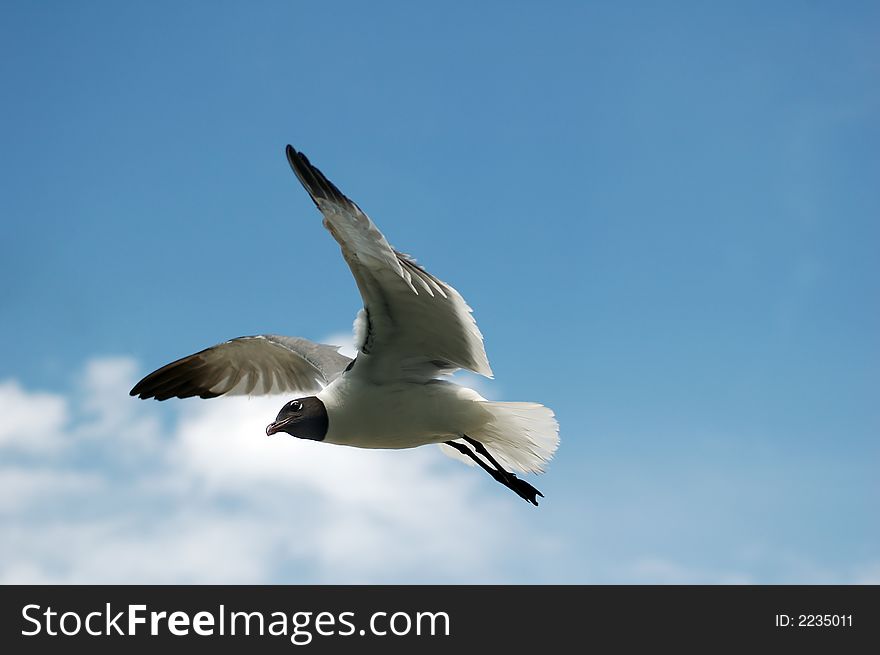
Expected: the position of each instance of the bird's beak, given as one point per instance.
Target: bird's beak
(277, 426)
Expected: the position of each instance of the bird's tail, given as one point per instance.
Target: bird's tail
(521, 436)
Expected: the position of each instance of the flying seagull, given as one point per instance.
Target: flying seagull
(413, 330)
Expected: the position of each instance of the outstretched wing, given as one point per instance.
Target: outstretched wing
(259, 365)
(416, 326)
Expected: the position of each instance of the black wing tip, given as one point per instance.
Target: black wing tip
(146, 396)
(166, 382)
(300, 165)
(143, 393)
(139, 391)
(314, 181)
(297, 157)
(178, 392)
(147, 387)
(292, 155)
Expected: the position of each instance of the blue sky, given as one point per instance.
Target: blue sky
(665, 218)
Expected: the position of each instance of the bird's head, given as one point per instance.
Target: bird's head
(305, 418)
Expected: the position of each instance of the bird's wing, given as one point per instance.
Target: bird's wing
(259, 365)
(413, 324)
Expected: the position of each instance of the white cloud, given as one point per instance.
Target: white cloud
(106, 411)
(211, 498)
(344, 341)
(31, 422)
(25, 487)
(117, 490)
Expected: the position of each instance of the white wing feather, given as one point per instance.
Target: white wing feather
(259, 365)
(416, 325)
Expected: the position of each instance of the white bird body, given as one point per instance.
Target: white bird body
(414, 329)
(399, 414)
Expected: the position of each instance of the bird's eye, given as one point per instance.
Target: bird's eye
(296, 406)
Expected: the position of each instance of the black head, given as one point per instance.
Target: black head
(305, 418)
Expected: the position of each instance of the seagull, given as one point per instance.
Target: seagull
(414, 330)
